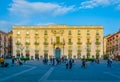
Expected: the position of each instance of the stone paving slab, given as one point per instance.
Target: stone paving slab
(47, 73)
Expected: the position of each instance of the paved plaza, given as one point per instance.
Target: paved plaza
(36, 71)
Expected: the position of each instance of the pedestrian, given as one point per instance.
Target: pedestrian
(70, 64)
(66, 64)
(109, 63)
(2, 61)
(13, 60)
(84, 63)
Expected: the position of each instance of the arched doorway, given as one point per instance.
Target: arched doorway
(57, 52)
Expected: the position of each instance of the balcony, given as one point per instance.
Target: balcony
(36, 50)
(45, 43)
(17, 50)
(97, 36)
(78, 51)
(27, 50)
(97, 43)
(45, 50)
(27, 43)
(97, 50)
(69, 50)
(70, 43)
(88, 43)
(88, 50)
(36, 43)
(36, 36)
(79, 43)
(18, 43)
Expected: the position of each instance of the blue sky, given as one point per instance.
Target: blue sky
(69, 12)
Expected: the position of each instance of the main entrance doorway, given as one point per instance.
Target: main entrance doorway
(57, 52)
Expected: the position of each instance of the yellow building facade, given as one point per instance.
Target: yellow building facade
(58, 41)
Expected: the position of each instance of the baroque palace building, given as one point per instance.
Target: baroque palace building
(58, 41)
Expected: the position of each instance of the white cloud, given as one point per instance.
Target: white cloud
(23, 7)
(95, 3)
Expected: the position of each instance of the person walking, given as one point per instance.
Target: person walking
(109, 63)
(2, 61)
(13, 60)
(84, 63)
(70, 64)
(66, 64)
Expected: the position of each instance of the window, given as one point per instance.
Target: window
(27, 33)
(0, 36)
(78, 47)
(36, 33)
(45, 32)
(69, 32)
(78, 39)
(78, 32)
(69, 40)
(70, 47)
(88, 32)
(57, 39)
(18, 40)
(97, 40)
(18, 33)
(45, 47)
(88, 40)
(97, 32)
(27, 40)
(0, 43)
(45, 39)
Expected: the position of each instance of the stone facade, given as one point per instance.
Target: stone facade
(3, 44)
(113, 45)
(58, 41)
(10, 44)
(105, 44)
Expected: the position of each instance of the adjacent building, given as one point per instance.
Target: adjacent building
(10, 44)
(113, 45)
(3, 44)
(58, 41)
(105, 44)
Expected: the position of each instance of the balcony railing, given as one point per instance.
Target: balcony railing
(17, 50)
(27, 50)
(88, 50)
(97, 50)
(79, 43)
(45, 43)
(88, 43)
(69, 50)
(78, 50)
(18, 43)
(36, 43)
(27, 43)
(45, 50)
(36, 50)
(70, 43)
(97, 43)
